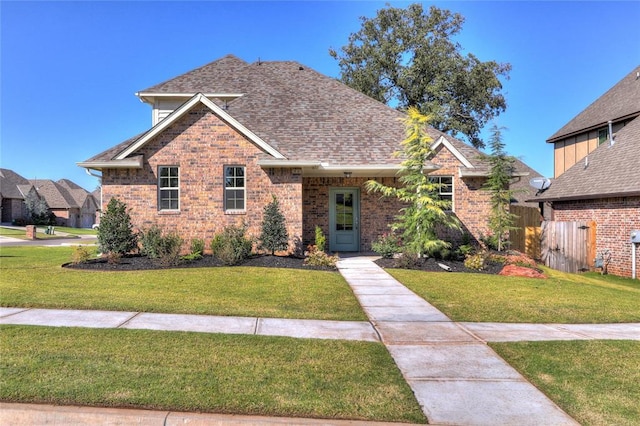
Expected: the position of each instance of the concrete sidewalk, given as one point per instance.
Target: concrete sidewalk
(456, 378)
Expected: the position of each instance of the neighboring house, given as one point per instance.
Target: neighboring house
(72, 205)
(589, 129)
(603, 182)
(228, 135)
(13, 189)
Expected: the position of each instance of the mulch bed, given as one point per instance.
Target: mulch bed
(432, 265)
(142, 263)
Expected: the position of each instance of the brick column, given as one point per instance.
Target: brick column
(31, 232)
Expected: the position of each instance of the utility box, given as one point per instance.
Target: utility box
(635, 236)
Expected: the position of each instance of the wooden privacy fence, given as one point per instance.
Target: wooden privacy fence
(526, 238)
(569, 246)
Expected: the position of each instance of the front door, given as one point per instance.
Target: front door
(344, 219)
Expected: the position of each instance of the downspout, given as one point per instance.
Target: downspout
(99, 177)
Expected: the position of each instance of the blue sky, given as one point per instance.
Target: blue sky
(69, 70)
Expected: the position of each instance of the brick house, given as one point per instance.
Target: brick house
(228, 135)
(72, 205)
(13, 190)
(597, 158)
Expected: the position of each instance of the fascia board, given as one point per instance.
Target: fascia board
(227, 96)
(183, 109)
(443, 141)
(128, 163)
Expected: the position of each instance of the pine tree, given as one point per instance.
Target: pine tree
(501, 220)
(425, 211)
(115, 234)
(274, 235)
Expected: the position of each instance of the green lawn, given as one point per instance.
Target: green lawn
(21, 234)
(596, 382)
(238, 374)
(562, 298)
(32, 277)
(76, 231)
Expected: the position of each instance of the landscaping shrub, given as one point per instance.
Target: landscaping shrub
(321, 240)
(115, 234)
(316, 257)
(475, 261)
(274, 235)
(197, 247)
(150, 241)
(387, 245)
(231, 246)
(169, 249)
(81, 254)
(407, 260)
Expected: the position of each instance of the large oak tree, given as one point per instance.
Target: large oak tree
(409, 57)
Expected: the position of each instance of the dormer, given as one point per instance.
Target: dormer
(164, 104)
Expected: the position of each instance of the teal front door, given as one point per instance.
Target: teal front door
(344, 219)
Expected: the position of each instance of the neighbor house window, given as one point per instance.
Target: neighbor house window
(234, 188)
(168, 188)
(603, 136)
(445, 189)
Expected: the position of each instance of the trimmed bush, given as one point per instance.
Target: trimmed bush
(321, 240)
(115, 234)
(150, 242)
(317, 257)
(231, 246)
(386, 245)
(81, 254)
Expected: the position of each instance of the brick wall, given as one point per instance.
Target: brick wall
(201, 145)
(471, 203)
(615, 219)
(375, 212)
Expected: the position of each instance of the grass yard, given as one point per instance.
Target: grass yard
(76, 231)
(562, 298)
(32, 277)
(596, 382)
(256, 375)
(21, 234)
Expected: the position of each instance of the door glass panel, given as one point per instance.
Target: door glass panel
(344, 212)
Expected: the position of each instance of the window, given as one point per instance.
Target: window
(234, 188)
(168, 188)
(603, 136)
(445, 188)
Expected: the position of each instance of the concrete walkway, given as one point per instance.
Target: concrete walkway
(456, 378)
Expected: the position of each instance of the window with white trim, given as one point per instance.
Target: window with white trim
(168, 188)
(445, 187)
(234, 188)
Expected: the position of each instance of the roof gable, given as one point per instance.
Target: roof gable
(620, 102)
(10, 182)
(56, 195)
(181, 111)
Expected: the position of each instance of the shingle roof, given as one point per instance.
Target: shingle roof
(303, 114)
(57, 196)
(608, 171)
(9, 184)
(78, 193)
(622, 100)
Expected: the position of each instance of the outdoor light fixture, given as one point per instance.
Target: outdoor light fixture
(347, 174)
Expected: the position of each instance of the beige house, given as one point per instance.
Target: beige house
(227, 136)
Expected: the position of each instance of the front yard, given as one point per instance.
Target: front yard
(595, 382)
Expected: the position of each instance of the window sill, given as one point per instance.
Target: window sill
(168, 212)
(235, 212)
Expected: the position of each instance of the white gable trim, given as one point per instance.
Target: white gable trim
(443, 141)
(182, 110)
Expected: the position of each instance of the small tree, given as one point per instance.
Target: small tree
(37, 209)
(115, 234)
(425, 210)
(274, 231)
(501, 220)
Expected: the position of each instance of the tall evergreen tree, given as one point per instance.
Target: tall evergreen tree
(501, 220)
(425, 211)
(409, 57)
(37, 209)
(274, 235)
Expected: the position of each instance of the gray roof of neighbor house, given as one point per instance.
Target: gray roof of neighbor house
(56, 196)
(608, 171)
(10, 184)
(620, 102)
(304, 115)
